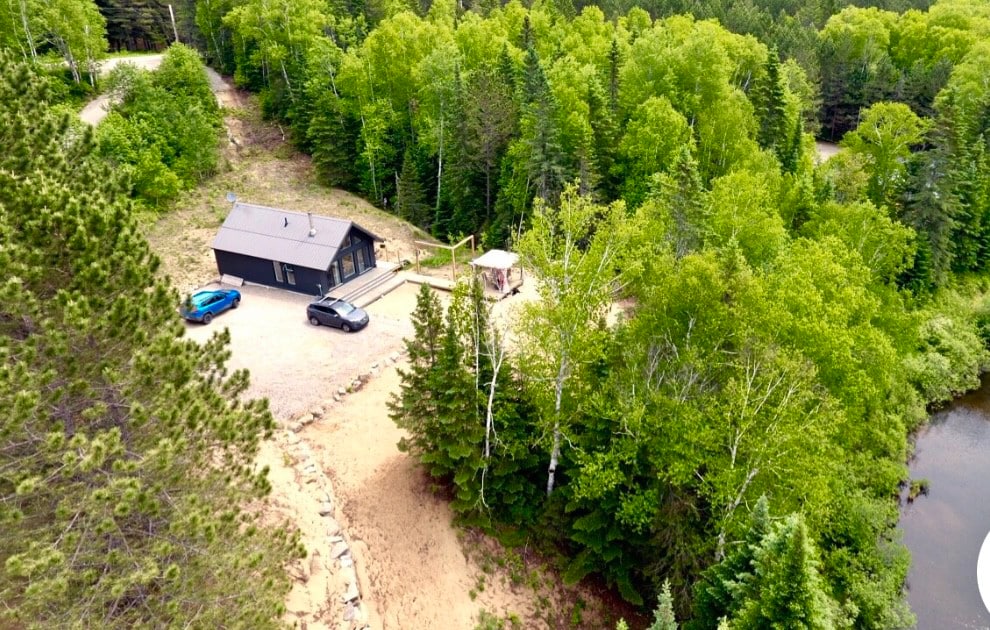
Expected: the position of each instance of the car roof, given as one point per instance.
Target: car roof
(202, 295)
(330, 301)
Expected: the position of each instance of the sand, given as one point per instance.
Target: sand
(406, 566)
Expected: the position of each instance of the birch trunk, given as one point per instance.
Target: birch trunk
(27, 30)
(555, 450)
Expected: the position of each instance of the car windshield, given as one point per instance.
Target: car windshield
(342, 308)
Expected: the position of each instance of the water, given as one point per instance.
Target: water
(946, 529)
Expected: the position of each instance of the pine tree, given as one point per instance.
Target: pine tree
(785, 590)
(410, 201)
(415, 405)
(932, 209)
(717, 593)
(333, 136)
(681, 191)
(663, 616)
(770, 104)
(438, 404)
(126, 452)
(546, 163)
(614, 64)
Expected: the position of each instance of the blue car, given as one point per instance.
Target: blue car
(203, 306)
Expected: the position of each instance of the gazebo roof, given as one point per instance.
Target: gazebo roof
(496, 259)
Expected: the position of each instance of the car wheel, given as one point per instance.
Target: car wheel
(314, 321)
(345, 328)
(207, 318)
(235, 303)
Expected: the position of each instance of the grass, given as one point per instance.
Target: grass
(439, 258)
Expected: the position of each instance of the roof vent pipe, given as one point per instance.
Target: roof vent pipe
(312, 228)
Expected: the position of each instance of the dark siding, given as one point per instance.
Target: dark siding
(260, 271)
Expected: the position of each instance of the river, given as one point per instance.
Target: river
(946, 529)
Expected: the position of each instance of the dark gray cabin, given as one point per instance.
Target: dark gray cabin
(292, 250)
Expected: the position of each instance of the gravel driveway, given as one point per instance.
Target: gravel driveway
(297, 365)
(97, 109)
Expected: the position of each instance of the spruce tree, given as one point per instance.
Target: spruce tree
(546, 161)
(663, 616)
(410, 202)
(770, 104)
(415, 405)
(785, 590)
(717, 593)
(126, 452)
(681, 191)
(333, 135)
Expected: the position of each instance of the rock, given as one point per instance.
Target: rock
(348, 575)
(314, 563)
(310, 469)
(335, 539)
(342, 392)
(306, 419)
(338, 550)
(356, 384)
(374, 371)
(292, 439)
(360, 615)
(350, 611)
(317, 412)
(295, 427)
(336, 398)
(326, 509)
(346, 560)
(333, 527)
(374, 366)
(394, 357)
(351, 594)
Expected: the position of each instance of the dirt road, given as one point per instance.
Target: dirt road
(97, 109)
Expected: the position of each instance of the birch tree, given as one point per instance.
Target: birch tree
(572, 252)
(78, 31)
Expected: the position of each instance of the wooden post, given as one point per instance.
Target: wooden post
(416, 249)
(453, 264)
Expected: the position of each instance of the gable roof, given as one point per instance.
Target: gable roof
(283, 235)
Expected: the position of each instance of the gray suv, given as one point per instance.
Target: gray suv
(337, 313)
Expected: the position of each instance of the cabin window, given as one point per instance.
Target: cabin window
(278, 271)
(347, 265)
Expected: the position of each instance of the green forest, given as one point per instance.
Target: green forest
(708, 408)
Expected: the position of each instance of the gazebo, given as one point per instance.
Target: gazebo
(501, 272)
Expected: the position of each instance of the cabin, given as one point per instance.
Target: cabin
(290, 250)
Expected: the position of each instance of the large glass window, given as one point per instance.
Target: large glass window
(362, 260)
(278, 271)
(347, 264)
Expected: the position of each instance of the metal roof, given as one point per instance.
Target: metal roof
(283, 235)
